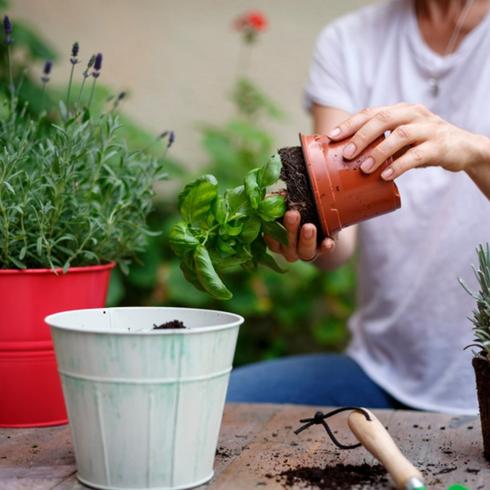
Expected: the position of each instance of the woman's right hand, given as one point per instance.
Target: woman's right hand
(302, 243)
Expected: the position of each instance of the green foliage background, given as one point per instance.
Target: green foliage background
(304, 310)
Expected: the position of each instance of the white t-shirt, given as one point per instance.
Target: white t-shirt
(411, 324)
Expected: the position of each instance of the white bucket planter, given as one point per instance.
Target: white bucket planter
(145, 406)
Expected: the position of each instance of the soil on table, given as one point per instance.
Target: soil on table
(169, 325)
(299, 192)
(338, 477)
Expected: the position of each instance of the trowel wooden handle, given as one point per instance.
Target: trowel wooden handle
(375, 438)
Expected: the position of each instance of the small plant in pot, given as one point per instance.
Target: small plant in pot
(73, 202)
(223, 230)
(481, 330)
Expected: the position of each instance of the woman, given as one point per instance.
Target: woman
(422, 69)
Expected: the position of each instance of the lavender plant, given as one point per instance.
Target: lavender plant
(71, 192)
(481, 314)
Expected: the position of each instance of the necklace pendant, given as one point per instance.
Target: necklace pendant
(434, 86)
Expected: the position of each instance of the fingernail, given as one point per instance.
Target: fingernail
(291, 218)
(308, 232)
(367, 164)
(334, 133)
(349, 150)
(387, 174)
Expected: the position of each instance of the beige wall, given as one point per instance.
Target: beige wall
(179, 58)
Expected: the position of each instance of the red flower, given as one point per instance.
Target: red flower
(256, 20)
(251, 21)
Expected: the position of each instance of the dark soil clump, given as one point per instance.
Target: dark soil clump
(338, 477)
(299, 195)
(223, 452)
(169, 325)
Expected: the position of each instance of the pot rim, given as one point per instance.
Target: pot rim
(482, 354)
(236, 321)
(81, 268)
(321, 175)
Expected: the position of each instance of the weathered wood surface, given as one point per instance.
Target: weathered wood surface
(257, 444)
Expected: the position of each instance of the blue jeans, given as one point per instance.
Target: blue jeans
(316, 379)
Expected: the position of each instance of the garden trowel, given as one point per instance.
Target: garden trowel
(375, 438)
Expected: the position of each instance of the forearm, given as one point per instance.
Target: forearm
(479, 170)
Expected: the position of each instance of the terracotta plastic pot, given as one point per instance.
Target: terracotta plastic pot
(481, 365)
(345, 195)
(30, 389)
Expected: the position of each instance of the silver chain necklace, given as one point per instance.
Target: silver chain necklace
(434, 79)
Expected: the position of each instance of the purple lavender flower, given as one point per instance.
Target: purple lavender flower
(7, 25)
(91, 61)
(74, 53)
(7, 29)
(47, 67)
(171, 139)
(169, 136)
(97, 65)
(46, 71)
(98, 62)
(95, 75)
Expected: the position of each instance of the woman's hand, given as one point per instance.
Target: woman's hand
(302, 244)
(418, 138)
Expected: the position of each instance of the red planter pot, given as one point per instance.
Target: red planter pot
(30, 389)
(345, 195)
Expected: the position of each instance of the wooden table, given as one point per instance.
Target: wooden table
(257, 444)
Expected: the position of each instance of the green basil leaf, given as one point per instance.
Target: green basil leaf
(237, 201)
(251, 230)
(191, 276)
(244, 253)
(269, 174)
(196, 199)
(258, 248)
(276, 231)
(228, 262)
(272, 208)
(207, 275)
(220, 209)
(225, 247)
(181, 239)
(229, 229)
(270, 262)
(252, 188)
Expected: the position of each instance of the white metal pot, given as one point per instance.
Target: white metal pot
(145, 406)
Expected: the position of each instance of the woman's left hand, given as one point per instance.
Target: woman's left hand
(418, 138)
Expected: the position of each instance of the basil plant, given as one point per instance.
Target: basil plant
(220, 231)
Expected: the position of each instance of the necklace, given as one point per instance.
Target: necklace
(435, 79)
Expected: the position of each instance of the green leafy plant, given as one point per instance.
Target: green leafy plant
(481, 314)
(222, 231)
(72, 193)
